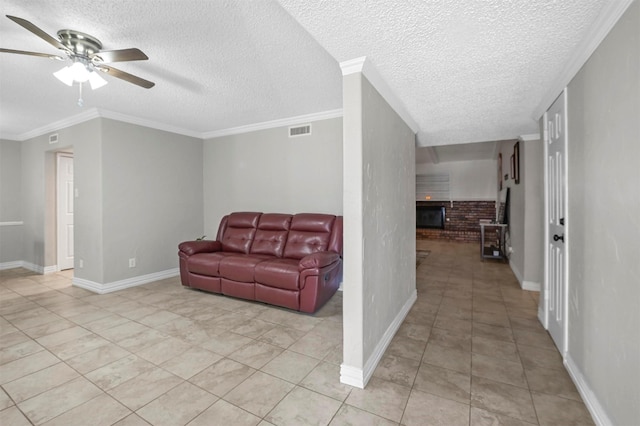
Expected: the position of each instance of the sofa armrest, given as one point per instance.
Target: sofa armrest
(318, 260)
(201, 246)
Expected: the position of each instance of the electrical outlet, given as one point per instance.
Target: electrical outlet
(80, 263)
(132, 262)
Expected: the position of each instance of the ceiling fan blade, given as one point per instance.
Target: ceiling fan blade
(37, 31)
(23, 52)
(121, 55)
(127, 77)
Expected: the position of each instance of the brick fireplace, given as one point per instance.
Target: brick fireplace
(462, 220)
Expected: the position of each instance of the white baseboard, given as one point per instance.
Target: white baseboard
(531, 286)
(516, 272)
(359, 377)
(525, 285)
(51, 269)
(352, 376)
(11, 265)
(590, 400)
(126, 283)
(38, 269)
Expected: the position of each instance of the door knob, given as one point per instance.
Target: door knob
(557, 237)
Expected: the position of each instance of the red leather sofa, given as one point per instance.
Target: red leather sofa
(294, 261)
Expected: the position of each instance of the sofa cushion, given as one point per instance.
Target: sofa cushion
(206, 263)
(240, 229)
(271, 234)
(309, 233)
(279, 273)
(240, 267)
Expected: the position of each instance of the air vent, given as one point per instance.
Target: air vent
(300, 130)
(53, 138)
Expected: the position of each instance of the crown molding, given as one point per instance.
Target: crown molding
(608, 17)
(87, 115)
(147, 123)
(102, 113)
(291, 121)
(364, 66)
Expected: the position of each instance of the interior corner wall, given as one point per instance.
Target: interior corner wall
(604, 225)
(11, 228)
(268, 171)
(152, 198)
(532, 158)
(380, 280)
(517, 209)
(37, 174)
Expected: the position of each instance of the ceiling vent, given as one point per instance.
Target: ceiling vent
(300, 130)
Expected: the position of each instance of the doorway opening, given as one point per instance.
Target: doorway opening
(64, 211)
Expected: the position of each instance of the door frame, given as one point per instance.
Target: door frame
(543, 305)
(58, 155)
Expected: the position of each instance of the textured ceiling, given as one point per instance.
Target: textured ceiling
(216, 64)
(466, 71)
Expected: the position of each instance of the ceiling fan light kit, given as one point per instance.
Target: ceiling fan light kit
(86, 55)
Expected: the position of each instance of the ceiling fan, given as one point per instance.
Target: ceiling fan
(84, 51)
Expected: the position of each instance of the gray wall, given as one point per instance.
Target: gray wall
(268, 171)
(10, 204)
(604, 221)
(526, 224)
(388, 160)
(532, 164)
(38, 195)
(152, 198)
(139, 195)
(469, 180)
(379, 201)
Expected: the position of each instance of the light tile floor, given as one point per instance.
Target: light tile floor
(470, 352)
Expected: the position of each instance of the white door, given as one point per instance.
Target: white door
(64, 209)
(556, 280)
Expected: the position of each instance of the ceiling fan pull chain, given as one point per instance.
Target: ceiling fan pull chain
(80, 100)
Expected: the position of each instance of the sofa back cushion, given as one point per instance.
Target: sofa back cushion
(237, 231)
(271, 234)
(309, 233)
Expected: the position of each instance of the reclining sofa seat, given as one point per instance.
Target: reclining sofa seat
(292, 261)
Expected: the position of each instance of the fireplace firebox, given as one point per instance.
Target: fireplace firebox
(430, 217)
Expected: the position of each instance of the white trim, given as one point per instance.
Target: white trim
(126, 283)
(524, 285)
(598, 412)
(367, 69)
(516, 272)
(14, 223)
(38, 269)
(529, 137)
(359, 378)
(87, 115)
(608, 17)
(352, 376)
(33, 267)
(284, 122)
(50, 269)
(11, 265)
(530, 286)
(102, 113)
(147, 123)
